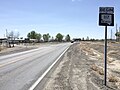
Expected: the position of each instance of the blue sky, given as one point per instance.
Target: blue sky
(79, 18)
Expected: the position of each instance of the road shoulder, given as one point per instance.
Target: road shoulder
(72, 73)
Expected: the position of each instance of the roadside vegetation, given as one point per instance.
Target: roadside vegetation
(117, 36)
(95, 52)
(47, 37)
(13, 38)
(33, 37)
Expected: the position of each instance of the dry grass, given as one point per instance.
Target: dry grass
(87, 50)
(112, 78)
(97, 69)
(94, 67)
(112, 52)
(2, 48)
(110, 61)
(101, 71)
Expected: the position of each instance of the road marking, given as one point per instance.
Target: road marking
(45, 73)
(4, 64)
(11, 62)
(21, 58)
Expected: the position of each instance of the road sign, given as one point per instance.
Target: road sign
(106, 16)
(109, 10)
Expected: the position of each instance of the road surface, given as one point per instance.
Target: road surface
(19, 71)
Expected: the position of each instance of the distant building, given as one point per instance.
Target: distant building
(2, 38)
(3, 41)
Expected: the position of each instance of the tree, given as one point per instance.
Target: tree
(117, 34)
(59, 37)
(67, 38)
(12, 36)
(46, 37)
(87, 38)
(34, 35)
(38, 37)
(83, 39)
(17, 35)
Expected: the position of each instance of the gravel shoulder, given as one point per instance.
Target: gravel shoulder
(81, 68)
(73, 72)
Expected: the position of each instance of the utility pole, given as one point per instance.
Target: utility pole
(116, 30)
(111, 34)
(6, 33)
(7, 36)
(119, 29)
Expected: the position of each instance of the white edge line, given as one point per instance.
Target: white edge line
(44, 74)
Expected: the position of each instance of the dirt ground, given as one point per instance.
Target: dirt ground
(82, 68)
(96, 51)
(22, 47)
(16, 49)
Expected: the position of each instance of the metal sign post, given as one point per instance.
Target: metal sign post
(106, 18)
(105, 58)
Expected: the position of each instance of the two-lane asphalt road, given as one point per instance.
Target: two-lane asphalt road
(19, 71)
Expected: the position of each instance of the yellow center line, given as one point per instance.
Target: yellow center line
(13, 61)
(18, 59)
